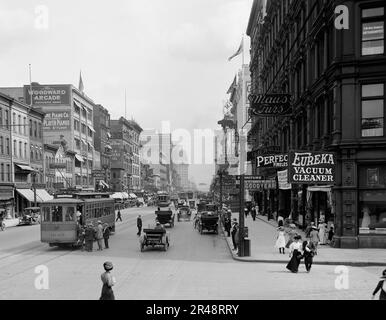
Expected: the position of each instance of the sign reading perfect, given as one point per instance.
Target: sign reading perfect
(275, 161)
(47, 95)
(311, 167)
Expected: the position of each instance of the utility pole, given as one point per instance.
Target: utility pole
(241, 217)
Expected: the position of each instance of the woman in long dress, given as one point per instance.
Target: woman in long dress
(295, 254)
(280, 240)
(322, 232)
(108, 282)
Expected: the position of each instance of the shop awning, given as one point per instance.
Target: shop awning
(133, 196)
(28, 194)
(117, 195)
(108, 135)
(25, 168)
(109, 147)
(79, 158)
(125, 195)
(90, 145)
(91, 128)
(6, 195)
(44, 195)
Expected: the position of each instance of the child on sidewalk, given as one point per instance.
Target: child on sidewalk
(280, 240)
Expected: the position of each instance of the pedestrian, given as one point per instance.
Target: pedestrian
(119, 217)
(381, 287)
(322, 232)
(280, 240)
(106, 235)
(330, 234)
(291, 235)
(99, 235)
(309, 229)
(234, 231)
(280, 221)
(89, 237)
(295, 255)
(108, 282)
(228, 226)
(314, 238)
(81, 236)
(253, 213)
(308, 254)
(139, 225)
(246, 212)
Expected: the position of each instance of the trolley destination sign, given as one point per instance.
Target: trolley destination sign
(312, 167)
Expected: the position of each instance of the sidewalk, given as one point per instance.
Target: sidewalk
(262, 235)
(11, 223)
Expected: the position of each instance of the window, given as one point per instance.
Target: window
(8, 173)
(2, 172)
(30, 128)
(35, 129)
(25, 126)
(19, 124)
(8, 147)
(373, 31)
(14, 122)
(57, 214)
(20, 151)
(25, 151)
(1, 145)
(7, 119)
(70, 214)
(76, 125)
(40, 131)
(1, 116)
(83, 128)
(373, 110)
(15, 148)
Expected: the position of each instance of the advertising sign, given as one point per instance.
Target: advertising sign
(47, 95)
(282, 178)
(57, 121)
(273, 161)
(311, 167)
(270, 105)
(58, 165)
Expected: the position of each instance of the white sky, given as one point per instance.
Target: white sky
(169, 55)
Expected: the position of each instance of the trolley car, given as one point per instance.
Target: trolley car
(163, 199)
(63, 217)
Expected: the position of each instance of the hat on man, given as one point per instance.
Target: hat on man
(108, 265)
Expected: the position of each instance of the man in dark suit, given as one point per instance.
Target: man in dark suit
(139, 225)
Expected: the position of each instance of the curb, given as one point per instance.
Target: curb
(328, 263)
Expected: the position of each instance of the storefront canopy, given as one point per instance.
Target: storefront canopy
(43, 195)
(117, 195)
(25, 168)
(28, 194)
(132, 196)
(125, 195)
(79, 158)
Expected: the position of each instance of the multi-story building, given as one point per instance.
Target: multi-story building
(337, 79)
(21, 156)
(102, 144)
(183, 173)
(68, 118)
(135, 132)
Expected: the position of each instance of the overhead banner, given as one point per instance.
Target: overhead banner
(47, 95)
(272, 161)
(282, 178)
(312, 168)
(270, 105)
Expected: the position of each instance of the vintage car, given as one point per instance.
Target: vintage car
(208, 221)
(184, 213)
(157, 237)
(165, 217)
(30, 216)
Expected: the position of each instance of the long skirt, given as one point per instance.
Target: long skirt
(107, 293)
(293, 264)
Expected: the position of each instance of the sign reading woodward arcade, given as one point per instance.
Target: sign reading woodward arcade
(311, 167)
(270, 105)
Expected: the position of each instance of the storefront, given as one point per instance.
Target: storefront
(7, 201)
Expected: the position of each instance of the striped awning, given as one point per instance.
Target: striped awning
(28, 194)
(44, 195)
(25, 168)
(79, 158)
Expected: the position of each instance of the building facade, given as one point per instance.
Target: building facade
(21, 156)
(337, 82)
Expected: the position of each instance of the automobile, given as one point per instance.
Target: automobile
(184, 213)
(140, 202)
(30, 216)
(156, 237)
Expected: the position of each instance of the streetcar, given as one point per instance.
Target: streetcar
(63, 217)
(163, 199)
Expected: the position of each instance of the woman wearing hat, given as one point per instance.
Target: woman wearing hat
(295, 254)
(108, 281)
(381, 286)
(280, 240)
(234, 232)
(314, 239)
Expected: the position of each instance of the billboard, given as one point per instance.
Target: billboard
(272, 161)
(57, 121)
(49, 95)
(311, 168)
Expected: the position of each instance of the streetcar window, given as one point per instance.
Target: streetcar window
(70, 213)
(46, 214)
(57, 214)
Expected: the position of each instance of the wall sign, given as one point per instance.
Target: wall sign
(270, 105)
(273, 161)
(312, 167)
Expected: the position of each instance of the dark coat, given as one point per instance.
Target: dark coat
(89, 234)
(139, 222)
(106, 233)
(379, 287)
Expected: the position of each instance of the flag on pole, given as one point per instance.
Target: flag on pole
(239, 50)
(81, 86)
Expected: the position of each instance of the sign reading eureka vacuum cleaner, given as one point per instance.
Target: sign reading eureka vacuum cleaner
(270, 105)
(311, 167)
